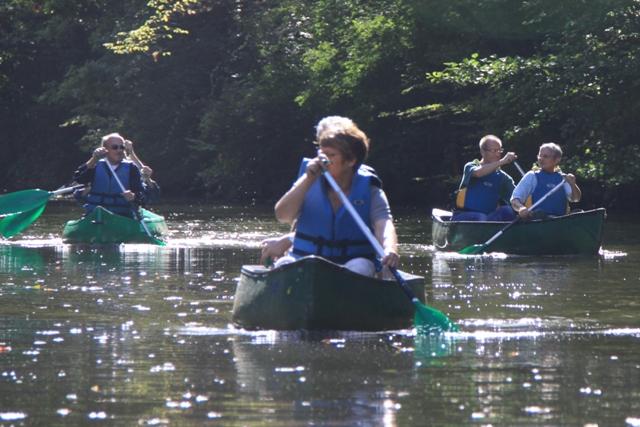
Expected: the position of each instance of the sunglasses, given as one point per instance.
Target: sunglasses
(117, 147)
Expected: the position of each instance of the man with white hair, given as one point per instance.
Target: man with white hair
(485, 189)
(98, 172)
(538, 182)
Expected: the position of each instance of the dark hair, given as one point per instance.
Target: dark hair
(352, 142)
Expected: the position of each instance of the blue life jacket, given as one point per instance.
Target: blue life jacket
(482, 194)
(105, 190)
(335, 236)
(556, 203)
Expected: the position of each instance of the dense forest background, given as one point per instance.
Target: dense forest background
(221, 96)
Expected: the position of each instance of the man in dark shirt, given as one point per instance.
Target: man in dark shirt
(105, 191)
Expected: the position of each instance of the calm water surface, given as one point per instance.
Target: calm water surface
(141, 335)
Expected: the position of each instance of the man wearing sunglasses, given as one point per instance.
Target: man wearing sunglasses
(485, 189)
(106, 160)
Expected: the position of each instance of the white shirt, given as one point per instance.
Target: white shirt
(528, 184)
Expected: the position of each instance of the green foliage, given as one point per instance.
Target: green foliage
(221, 96)
(574, 87)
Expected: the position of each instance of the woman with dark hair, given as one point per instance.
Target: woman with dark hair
(323, 226)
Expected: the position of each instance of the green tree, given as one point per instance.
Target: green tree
(575, 85)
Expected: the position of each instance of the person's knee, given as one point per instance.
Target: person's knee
(287, 259)
(362, 266)
(468, 216)
(503, 213)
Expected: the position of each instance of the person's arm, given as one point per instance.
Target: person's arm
(506, 187)
(97, 154)
(383, 228)
(128, 146)
(84, 175)
(576, 194)
(135, 186)
(486, 168)
(145, 171)
(385, 232)
(288, 207)
(520, 194)
(275, 247)
(87, 171)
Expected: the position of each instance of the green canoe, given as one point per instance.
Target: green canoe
(103, 226)
(315, 294)
(578, 233)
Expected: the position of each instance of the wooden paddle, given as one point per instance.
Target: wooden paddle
(134, 210)
(426, 318)
(476, 249)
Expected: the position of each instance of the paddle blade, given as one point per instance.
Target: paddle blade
(21, 201)
(429, 320)
(472, 250)
(13, 224)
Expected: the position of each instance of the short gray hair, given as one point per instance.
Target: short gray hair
(487, 138)
(115, 135)
(332, 123)
(555, 148)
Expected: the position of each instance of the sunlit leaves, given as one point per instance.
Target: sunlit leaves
(155, 28)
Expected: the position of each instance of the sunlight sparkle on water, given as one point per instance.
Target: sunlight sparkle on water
(12, 416)
(606, 254)
(632, 421)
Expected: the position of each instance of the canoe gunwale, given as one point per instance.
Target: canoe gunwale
(255, 271)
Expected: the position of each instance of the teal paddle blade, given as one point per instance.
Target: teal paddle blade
(428, 320)
(13, 224)
(472, 250)
(21, 201)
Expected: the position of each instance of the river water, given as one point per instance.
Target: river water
(141, 335)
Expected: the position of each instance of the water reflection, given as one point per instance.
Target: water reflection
(20, 260)
(141, 335)
(350, 368)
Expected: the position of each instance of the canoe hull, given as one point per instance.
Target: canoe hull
(578, 233)
(315, 294)
(103, 227)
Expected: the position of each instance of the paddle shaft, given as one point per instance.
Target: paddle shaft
(367, 232)
(535, 205)
(517, 165)
(140, 219)
(66, 190)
